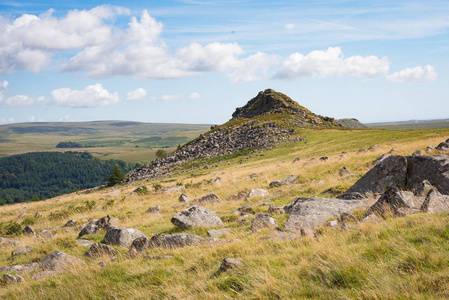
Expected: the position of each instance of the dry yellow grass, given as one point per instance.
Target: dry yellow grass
(398, 258)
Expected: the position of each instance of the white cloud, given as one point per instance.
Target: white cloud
(4, 120)
(290, 26)
(194, 95)
(172, 97)
(331, 62)
(3, 86)
(92, 96)
(136, 94)
(28, 42)
(416, 74)
(19, 100)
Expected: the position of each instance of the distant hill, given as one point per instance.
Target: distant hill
(124, 140)
(412, 124)
(42, 175)
(352, 123)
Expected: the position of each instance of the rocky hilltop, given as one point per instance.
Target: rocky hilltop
(269, 119)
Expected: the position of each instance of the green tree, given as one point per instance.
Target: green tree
(160, 153)
(116, 176)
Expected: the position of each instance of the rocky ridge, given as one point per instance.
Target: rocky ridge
(246, 130)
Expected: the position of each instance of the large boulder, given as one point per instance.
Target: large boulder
(435, 202)
(263, 221)
(308, 213)
(90, 228)
(281, 182)
(121, 236)
(95, 225)
(405, 173)
(57, 261)
(196, 216)
(443, 146)
(390, 171)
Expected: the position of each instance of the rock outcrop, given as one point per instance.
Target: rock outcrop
(169, 241)
(405, 173)
(196, 216)
(121, 236)
(57, 261)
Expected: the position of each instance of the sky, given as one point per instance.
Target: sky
(195, 61)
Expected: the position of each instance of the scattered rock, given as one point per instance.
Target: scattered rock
(216, 181)
(324, 158)
(285, 181)
(443, 146)
(257, 193)
(21, 251)
(12, 278)
(230, 264)
(215, 233)
(121, 236)
(392, 150)
(332, 224)
(210, 199)
(90, 228)
(141, 190)
(240, 196)
(253, 175)
(296, 160)
(430, 148)
(418, 153)
(99, 250)
(21, 216)
(23, 269)
(344, 172)
(154, 210)
(362, 151)
(196, 216)
(170, 241)
(96, 225)
(347, 217)
(372, 147)
(70, 223)
(28, 230)
(351, 196)
(391, 202)
(276, 209)
(172, 189)
(4, 242)
(184, 199)
(435, 202)
(245, 209)
(306, 214)
(57, 261)
(263, 221)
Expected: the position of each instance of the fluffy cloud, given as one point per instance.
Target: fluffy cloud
(3, 86)
(290, 26)
(331, 62)
(136, 94)
(24, 100)
(194, 96)
(92, 96)
(416, 74)
(28, 42)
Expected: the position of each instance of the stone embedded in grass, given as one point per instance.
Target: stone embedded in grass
(121, 236)
(276, 209)
(154, 210)
(443, 146)
(96, 225)
(209, 199)
(196, 216)
(44, 274)
(215, 233)
(28, 230)
(418, 152)
(281, 182)
(169, 241)
(345, 172)
(98, 250)
(184, 199)
(263, 221)
(21, 251)
(90, 228)
(12, 278)
(393, 201)
(27, 268)
(70, 223)
(83, 243)
(4, 242)
(57, 261)
(257, 193)
(230, 264)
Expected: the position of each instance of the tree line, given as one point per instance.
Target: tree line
(42, 175)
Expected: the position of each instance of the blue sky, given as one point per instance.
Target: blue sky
(195, 61)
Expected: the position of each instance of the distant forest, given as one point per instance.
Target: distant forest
(42, 175)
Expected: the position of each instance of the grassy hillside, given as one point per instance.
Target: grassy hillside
(133, 142)
(404, 258)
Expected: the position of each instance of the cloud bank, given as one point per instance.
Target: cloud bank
(92, 96)
(416, 74)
